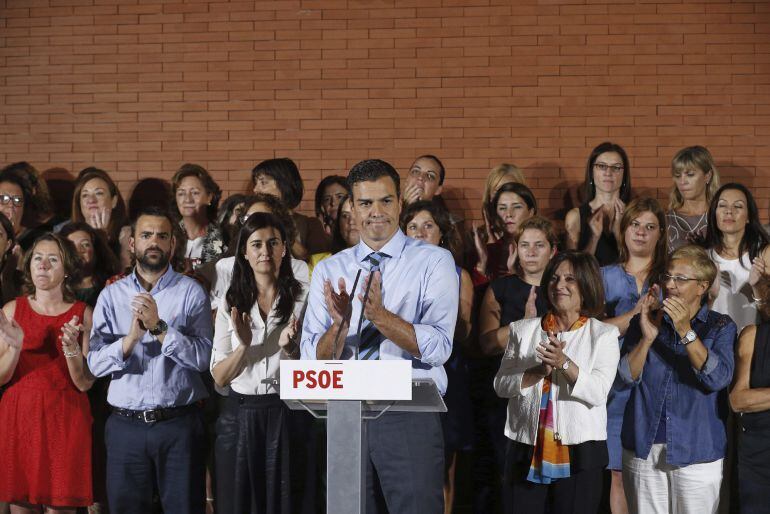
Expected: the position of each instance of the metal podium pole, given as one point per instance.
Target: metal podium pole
(346, 452)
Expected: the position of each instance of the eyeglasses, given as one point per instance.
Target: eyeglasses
(678, 279)
(603, 166)
(650, 227)
(18, 201)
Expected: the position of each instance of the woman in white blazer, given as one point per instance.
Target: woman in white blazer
(556, 373)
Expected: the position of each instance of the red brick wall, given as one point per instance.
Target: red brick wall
(140, 86)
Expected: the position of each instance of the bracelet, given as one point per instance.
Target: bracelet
(74, 353)
(209, 499)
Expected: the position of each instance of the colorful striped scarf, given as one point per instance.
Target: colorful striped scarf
(550, 460)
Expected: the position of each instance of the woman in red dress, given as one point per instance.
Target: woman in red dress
(44, 412)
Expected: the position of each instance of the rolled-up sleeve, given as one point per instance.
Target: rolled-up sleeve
(717, 372)
(439, 312)
(190, 345)
(593, 387)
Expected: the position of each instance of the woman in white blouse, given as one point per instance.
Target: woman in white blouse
(256, 325)
(557, 372)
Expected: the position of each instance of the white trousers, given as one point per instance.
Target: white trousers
(655, 487)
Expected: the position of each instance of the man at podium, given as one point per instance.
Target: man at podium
(411, 294)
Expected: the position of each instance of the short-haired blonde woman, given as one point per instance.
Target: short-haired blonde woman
(696, 181)
(557, 372)
(678, 361)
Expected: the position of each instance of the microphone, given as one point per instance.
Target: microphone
(346, 317)
(375, 267)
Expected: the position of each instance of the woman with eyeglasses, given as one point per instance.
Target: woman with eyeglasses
(750, 398)
(556, 373)
(738, 245)
(256, 328)
(594, 227)
(627, 285)
(678, 362)
(696, 180)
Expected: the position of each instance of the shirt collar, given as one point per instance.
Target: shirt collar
(161, 284)
(392, 248)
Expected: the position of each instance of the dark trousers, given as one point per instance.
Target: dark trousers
(579, 494)
(406, 464)
(753, 496)
(169, 455)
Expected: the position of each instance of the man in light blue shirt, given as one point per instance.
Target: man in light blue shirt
(152, 334)
(410, 314)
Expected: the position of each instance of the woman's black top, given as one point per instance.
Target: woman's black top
(511, 293)
(607, 247)
(754, 445)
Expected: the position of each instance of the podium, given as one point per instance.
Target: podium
(348, 394)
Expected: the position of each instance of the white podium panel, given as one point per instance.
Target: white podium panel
(379, 380)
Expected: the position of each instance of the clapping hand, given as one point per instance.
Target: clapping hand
(481, 248)
(530, 309)
(242, 326)
(336, 303)
(758, 269)
(70, 333)
(11, 334)
(146, 310)
(288, 338)
(619, 206)
(551, 351)
(512, 256)
(100, 219)
(373, 305)
(649, 320)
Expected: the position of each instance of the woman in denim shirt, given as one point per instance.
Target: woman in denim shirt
(643, 255)
(679, 362)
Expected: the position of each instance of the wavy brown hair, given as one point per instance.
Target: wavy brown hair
(70, 260)
(634, 209)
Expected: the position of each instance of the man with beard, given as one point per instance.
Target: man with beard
(152, 333)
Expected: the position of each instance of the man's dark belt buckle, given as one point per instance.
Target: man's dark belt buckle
(149, 416)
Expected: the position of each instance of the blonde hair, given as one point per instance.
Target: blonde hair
(705, 269)
(497, 174)
(693, 157)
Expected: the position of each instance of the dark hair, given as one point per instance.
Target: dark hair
(370, 170)
(105, 263)
(286, 176)
(588, 277)
(148, 191)
(118, 216)
(244, 290)
(278, 209)
(450, 239)
(38, 202)
(226, 208)
(634, 209)
(509, 187)
(625, 185)
(441, 170)
(754, 239)
(153, 210)
(326, 182)
(8, 228)
(15, 174)
(70, 261)
(212, 188)
(338, 242)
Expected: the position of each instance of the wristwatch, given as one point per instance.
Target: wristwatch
(689, 337)
(161, 327)
(565, 366)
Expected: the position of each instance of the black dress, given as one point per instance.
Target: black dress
(607, 247)
(754, 439)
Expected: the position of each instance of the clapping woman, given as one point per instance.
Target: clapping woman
(557, 372)
(256, 327)
(45, 415)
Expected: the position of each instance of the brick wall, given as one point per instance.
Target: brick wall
(140, 86)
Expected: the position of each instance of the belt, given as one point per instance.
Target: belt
(154, 415)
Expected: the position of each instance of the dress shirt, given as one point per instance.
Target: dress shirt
(263, 357)
(694, 402)
(154, 374)
(420, 285)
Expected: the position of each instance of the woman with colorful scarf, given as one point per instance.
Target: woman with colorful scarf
(557, 372)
